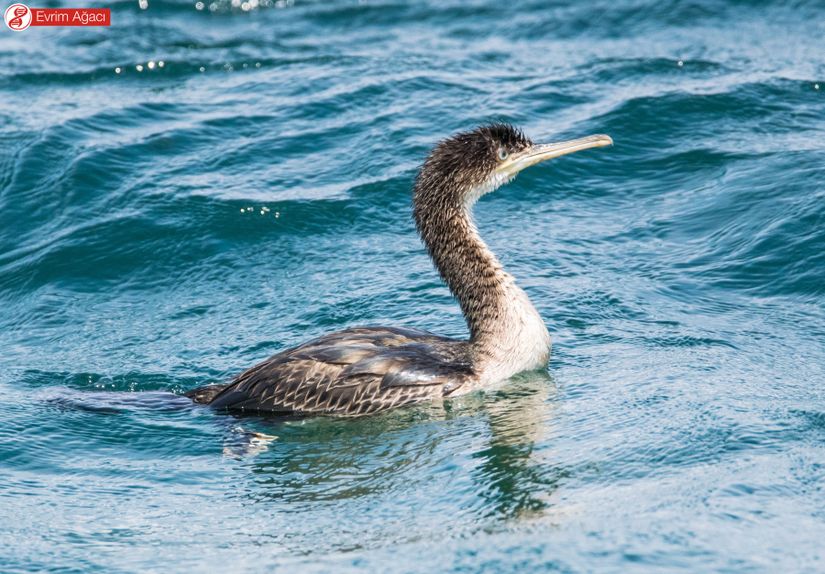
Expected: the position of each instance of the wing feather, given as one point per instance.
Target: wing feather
(352, 372)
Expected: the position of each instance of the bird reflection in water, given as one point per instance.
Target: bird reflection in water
(331, 460)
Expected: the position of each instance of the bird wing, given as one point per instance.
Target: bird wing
(352, 372)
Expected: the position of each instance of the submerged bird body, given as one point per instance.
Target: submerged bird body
(363, 370)
(356, 371)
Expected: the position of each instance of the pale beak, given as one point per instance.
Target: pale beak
(542, 152)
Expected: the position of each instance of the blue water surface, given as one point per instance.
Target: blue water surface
(203, 184)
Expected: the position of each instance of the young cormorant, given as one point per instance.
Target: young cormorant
(362, 370)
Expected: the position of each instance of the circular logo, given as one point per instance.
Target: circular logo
(18, 17)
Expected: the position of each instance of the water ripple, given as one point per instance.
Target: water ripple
(201, 186)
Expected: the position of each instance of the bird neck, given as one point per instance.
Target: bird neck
(506, 332)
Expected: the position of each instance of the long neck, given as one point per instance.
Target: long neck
(506, 331)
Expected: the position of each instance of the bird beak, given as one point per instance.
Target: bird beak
(542, 152)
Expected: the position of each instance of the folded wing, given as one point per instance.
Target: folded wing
(352, 372)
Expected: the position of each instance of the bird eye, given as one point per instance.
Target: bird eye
(502, 154)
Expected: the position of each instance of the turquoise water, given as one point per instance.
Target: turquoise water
(165, 228)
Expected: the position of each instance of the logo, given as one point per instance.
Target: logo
(18, 17)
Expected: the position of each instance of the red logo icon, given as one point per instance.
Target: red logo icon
(18, 17)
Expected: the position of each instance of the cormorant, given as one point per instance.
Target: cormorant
(363, 370)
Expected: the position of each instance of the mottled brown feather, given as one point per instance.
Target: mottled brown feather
(353, 372)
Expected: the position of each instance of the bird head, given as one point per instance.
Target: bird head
(462, 168)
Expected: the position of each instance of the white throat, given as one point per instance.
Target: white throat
(517, 339)
(520, 342)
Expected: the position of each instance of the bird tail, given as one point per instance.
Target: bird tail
(205, 395)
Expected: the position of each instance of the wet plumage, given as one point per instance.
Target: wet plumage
(364, 370)
(352, 372)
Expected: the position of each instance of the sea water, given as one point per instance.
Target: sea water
(201, 185)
